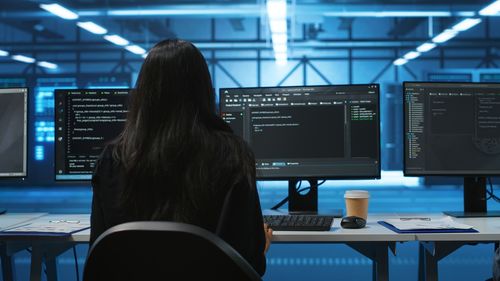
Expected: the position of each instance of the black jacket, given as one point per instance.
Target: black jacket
(236, 216)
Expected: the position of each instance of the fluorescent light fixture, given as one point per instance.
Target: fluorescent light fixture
(491, 9)
(400, 61)
(47, 64)
(411, 55)
(59, 11)
(22, 58)
(426, 47)
(3, 53)
(136, 49)
(281, 58)
(279, 38)
(117, 40)
(276, 9)
(399, 14)
(444, 36)
(278, 26)
(280, 48)
(92, 27)
(466, 24)
(144, 55)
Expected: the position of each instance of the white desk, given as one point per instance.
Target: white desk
(7, 250)
(374, 241)
(436, 246)
(44, 249)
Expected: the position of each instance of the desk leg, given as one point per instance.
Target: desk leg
(36, 264)
(7, 252)
(7, 268)
(430, 265)
(381, 264)
(51, 263)
(430, 253)
(378, 253)
(46, 253)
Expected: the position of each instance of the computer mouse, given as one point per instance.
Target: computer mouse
(352, 222)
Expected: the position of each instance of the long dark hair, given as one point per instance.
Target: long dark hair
(173, 139)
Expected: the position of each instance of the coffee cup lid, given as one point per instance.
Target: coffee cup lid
(356, 194)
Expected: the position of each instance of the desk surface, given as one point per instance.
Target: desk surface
(12, 219)
(489, 230)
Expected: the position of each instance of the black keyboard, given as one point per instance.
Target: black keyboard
(299, 222)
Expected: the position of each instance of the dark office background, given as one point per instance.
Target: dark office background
(330, 42)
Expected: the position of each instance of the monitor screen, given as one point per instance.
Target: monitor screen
(308, 131)
(452, 128)
(13, 132)
(86, 120)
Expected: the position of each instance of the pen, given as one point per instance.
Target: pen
(421, 219)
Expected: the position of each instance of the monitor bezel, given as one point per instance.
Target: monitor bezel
(319, 177)
(405, 144)
(26, 134)
(56, 92)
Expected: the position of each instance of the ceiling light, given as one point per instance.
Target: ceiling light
(278, 26)
(279, 38)
(47, 64)
(281, 58)
(117, 40)
(92, 27)
(280, 48)
(22, 58)
(491, 9)
(59, 11)
(136, 49)
(3, 53)
(276, 9)
(426, 47)
(400, 61)
(466, 24)
(444, 36)
(411, 55)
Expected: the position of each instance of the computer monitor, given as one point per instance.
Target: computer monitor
(453, 129)
(307, 133)
(85, 120)
(13, 132)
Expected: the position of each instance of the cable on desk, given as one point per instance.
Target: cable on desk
(76, 263)
(282, 202)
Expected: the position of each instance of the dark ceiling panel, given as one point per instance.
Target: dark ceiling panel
(405, 26)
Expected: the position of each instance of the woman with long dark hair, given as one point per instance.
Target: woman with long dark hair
(176, 160)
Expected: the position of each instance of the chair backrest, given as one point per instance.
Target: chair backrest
(164, 251)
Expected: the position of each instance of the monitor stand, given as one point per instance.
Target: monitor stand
(299, 203)
(474, 200)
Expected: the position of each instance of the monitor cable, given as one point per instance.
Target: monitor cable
(299, 189)
(490, 192)
(76, 263)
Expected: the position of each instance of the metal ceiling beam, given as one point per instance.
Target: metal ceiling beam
(255, 10)
(92, 46)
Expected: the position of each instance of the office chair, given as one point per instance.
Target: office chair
(164, 251)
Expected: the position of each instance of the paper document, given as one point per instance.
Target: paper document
(51, 224)
(427, 223)
(61, 227)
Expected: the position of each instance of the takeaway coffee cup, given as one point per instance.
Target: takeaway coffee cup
(356, 203)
